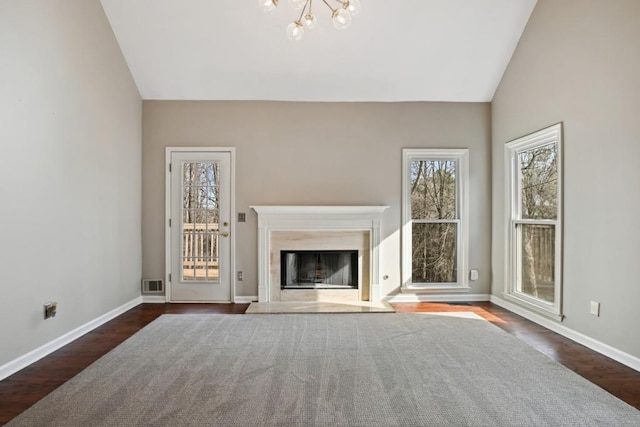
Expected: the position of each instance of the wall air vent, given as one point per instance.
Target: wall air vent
(152, 286)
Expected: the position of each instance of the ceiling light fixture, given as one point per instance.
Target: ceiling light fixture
(340, 14)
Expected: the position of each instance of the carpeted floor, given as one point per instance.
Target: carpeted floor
(326, 370)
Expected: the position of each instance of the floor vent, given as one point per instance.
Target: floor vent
(152, 286)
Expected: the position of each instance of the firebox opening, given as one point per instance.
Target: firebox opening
(319, 269)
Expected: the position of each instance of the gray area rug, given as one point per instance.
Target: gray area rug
(326, 370)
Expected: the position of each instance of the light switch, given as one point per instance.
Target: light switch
(595, 308)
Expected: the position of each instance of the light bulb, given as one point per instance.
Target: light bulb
(341, 18)
(295, 31)
(310, 21)
(353, 6)
(267, 5)
(297, 4)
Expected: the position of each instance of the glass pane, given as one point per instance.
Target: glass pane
(209, 197)
(196, 217)
(536, 261)
(212, 218)
(433, 189)
(210, 245)
(189, 217)
(539, 182)
(189, 198)
(434, 253)
(201, 272)
(188, 269)
(188, 241)
(200, 184)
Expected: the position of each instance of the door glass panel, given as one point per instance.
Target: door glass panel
(201, 193)
(434, 253)
(536, 260)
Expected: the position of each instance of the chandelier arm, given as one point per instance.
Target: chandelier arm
(329, 6)
(303, 9)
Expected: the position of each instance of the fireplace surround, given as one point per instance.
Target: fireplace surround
(318, 228)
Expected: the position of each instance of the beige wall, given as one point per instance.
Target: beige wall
(316, 153)
(578, 62)
(70, 129)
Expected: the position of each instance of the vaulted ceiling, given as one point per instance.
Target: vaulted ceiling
(394, 50)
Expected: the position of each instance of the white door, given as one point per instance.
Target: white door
(200, 216)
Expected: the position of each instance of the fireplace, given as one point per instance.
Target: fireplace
(319, 229)
(312, 269)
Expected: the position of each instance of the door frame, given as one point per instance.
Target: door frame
(232, 210)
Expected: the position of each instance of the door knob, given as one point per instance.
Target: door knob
(224, 234)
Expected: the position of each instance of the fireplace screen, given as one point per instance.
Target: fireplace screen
(319, 270)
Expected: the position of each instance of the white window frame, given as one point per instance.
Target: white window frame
(461, 157)
(551, 134)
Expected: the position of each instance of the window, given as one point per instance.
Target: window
(534, 181)
(435, 218)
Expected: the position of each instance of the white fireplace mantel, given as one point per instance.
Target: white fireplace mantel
(317, 218)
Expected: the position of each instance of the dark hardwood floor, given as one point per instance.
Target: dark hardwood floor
(21, 390)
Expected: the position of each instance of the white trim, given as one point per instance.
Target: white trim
(243, 299)
(461, 156)
(232, 223)
(232, 209)
(551, 134)
(33, 356)
(154, 299)
(434, 289)
(321, 210)
(201, 302)
(333, 218)
(408, 297)
(595, 345)
(167, 229)
(531, 304)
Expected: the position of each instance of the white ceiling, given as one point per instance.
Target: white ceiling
(395, 50)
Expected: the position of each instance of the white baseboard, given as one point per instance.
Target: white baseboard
(602, 348)
(245, 299)
(156, 299)
(436, 297)
(25, 360)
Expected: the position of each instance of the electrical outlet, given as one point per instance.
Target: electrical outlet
(474, 274)
(242, 217)
(50, 309)
(595, 308)
(240, 276)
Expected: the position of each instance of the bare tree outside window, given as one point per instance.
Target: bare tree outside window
(533, 178)
(538, 183)
(201, 195)
(434, 221)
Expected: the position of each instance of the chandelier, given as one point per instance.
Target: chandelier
(341, 13)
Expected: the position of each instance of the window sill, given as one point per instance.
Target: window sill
(559, 317)
(434, 289)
